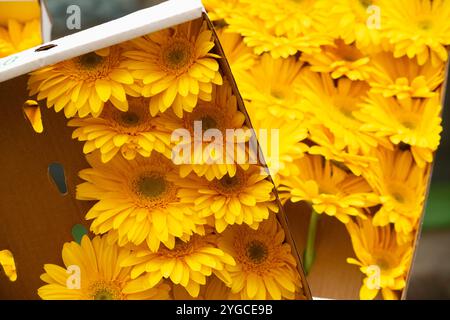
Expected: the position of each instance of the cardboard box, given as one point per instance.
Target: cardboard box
(36, 217)
(265, 31)
(331, 277)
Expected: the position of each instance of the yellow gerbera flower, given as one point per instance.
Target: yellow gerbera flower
(176, 67)
(132, 132)
(265, 267)
(414, 122)
(245, 198)
(208, 157)
(401, 185)
(281, 141)
(187, 264)
(354, 21)
(333, 106)
(214, 289)
(219, 9)
(137, 201)
(340, 60)
(403, 77)
(328, 188)
(285, 16)
(381, 259)
(417, 28)
(325, 146)
(93, 272)
(281, 27)
(240, 57)
(8, 264)
(19, 10)
(82, 85)
(269, 85)
(18, 36)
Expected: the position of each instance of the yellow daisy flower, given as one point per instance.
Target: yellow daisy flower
(401, 185)
(333, 106)
(403, 77)
(93, 272)
(269, 85)
(84, 84)
(132, 132)
(240, 57)
(187, 264)
(137, 201)
(8, 264)
(244, 198)
(193, 151)
(354, 21)
(324, 145)
(281, 27)
(265, 267)
(19, 10)
(328, 188)
(414, 122)
(417, 28)
(214, 289)
(340, 60)
(16, 36)
(176, 67)
(282, 140)
(285, 16)
(219, 9)
(381, 259)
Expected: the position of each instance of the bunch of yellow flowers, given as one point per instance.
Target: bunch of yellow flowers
(163, 229)
(355, 88)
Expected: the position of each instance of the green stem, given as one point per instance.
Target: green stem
(310, 252)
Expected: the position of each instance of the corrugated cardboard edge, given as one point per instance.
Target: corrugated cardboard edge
(444, 90)
(281, 215)
(134, 25)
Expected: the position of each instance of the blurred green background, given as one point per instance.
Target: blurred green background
(437, 214)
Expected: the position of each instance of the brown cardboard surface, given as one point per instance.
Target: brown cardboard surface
(35, 220)
(331, 276)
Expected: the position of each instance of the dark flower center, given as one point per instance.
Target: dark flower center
(177, 55)
(104, 294)
(257, 251)
(151, 186)
(129, 119)
(90, 60)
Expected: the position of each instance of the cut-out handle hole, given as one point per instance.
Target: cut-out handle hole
(58, 177)
(78, 232)
(32, 113)
(45, 47)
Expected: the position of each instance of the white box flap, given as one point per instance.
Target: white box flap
(46, 22)
(142, 22)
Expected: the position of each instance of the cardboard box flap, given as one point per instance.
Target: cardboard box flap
(164, 15)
